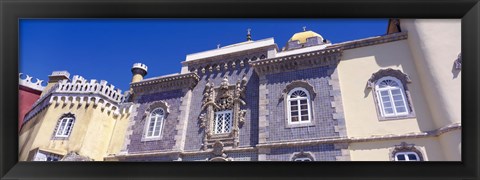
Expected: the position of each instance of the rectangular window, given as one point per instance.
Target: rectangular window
(223, 122)
(406, 156)
(64, 128)
(45, 156)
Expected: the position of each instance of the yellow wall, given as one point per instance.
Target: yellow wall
(452, 145)
(90, 136)
(117, 138)
(356, 67)
(381, 150)
(435, 44)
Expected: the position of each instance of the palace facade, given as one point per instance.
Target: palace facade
(394, 97)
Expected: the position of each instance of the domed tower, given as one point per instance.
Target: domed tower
(305, 39)
(139, 71)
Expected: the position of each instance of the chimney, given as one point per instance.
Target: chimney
(54, 78)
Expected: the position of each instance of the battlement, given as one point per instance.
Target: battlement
(27, 81)
(81, 85)
(140, 66)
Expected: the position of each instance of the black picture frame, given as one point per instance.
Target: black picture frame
(11, 11)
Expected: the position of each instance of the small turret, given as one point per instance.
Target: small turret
(139, 71)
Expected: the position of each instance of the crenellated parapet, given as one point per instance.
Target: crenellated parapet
(79, 85)
(80, 92)
(27, 82)
(140, 66)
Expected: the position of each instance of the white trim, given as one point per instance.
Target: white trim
(303, 159)
(405, 154)
(231, 49)
(289, 106)
(62, 131)
(157, 120)
(44, 156)
(223, 130)
(302, 50)
(390, 96)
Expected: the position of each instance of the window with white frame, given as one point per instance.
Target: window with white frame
(223, 122)
(45, 156)
(302, 159)
(406, 156)
(65, 126)
(298, 106)
(155, 123)
(391, 97)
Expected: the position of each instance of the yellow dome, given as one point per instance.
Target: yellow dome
(303, 36)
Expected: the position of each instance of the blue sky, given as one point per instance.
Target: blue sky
(105, 49)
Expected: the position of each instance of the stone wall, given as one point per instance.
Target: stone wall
(323, 123)
(167, 142)
(248, 132)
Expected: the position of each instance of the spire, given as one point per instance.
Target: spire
(304, 28)
(249, 36)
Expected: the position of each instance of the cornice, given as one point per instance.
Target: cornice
(371, 41)
(434, 133)
(162, 83)
(298, 61)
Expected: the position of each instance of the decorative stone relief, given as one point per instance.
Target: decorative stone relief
(222, 98)
(299, 83)
(303, 154)
(27, 81)
(389, 72)
(162, 104)
(74, 156)
(218, 152)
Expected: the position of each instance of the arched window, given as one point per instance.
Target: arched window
(303, 156)
(407, 156)
(391, 97)
(406, 152)
(298, 106)
(65, 126)
(155, 123)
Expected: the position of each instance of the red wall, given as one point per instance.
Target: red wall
(26, 97)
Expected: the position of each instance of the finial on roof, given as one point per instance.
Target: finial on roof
(249, 36)
(304, 28)
(218, 46)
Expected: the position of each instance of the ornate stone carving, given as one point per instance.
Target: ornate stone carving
(303, 154)
(74, 156)
(225, 97)
(202, 120)
(27, 81)
(218, 149)
(389, 72)
(162, 104)
(299, 83)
